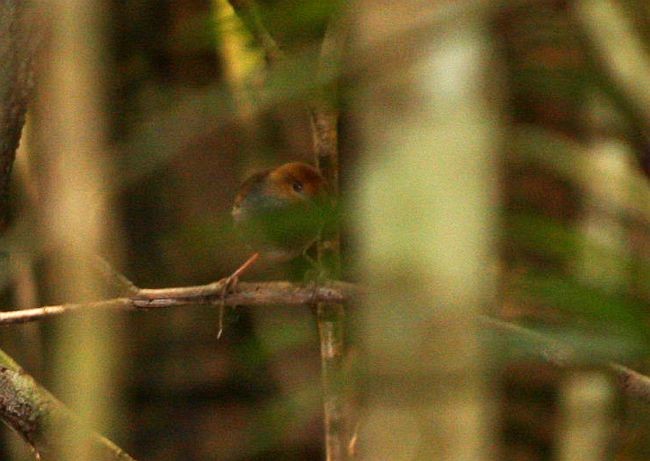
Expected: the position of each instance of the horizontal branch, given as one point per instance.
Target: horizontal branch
(552, 350)
(248, 294)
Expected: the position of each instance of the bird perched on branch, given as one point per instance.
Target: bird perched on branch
(279, 213)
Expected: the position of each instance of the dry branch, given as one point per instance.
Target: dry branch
(248, 294)
(42, 421)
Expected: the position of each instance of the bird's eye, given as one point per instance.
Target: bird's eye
(297, 186)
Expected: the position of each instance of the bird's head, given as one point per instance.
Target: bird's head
(281, 210)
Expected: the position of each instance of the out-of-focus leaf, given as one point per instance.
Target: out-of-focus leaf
(610, 311)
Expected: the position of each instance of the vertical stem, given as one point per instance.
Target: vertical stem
(330, 317)
(331, 332)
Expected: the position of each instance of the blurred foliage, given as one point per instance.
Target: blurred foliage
(182, 140)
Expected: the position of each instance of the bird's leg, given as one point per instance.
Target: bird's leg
(229, 283)
(233, 278)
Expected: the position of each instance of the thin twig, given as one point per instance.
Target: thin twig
(550, 349)
(247, 294)
(557, 352)
(323, 108)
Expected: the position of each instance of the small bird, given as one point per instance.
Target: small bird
(279, 213)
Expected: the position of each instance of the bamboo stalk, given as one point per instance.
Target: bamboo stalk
(77, 216)
(424, 215)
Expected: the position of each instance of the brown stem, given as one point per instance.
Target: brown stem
(42, 421)
(247, 294)
(330, 319)
(330, 316)
(31, 411)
